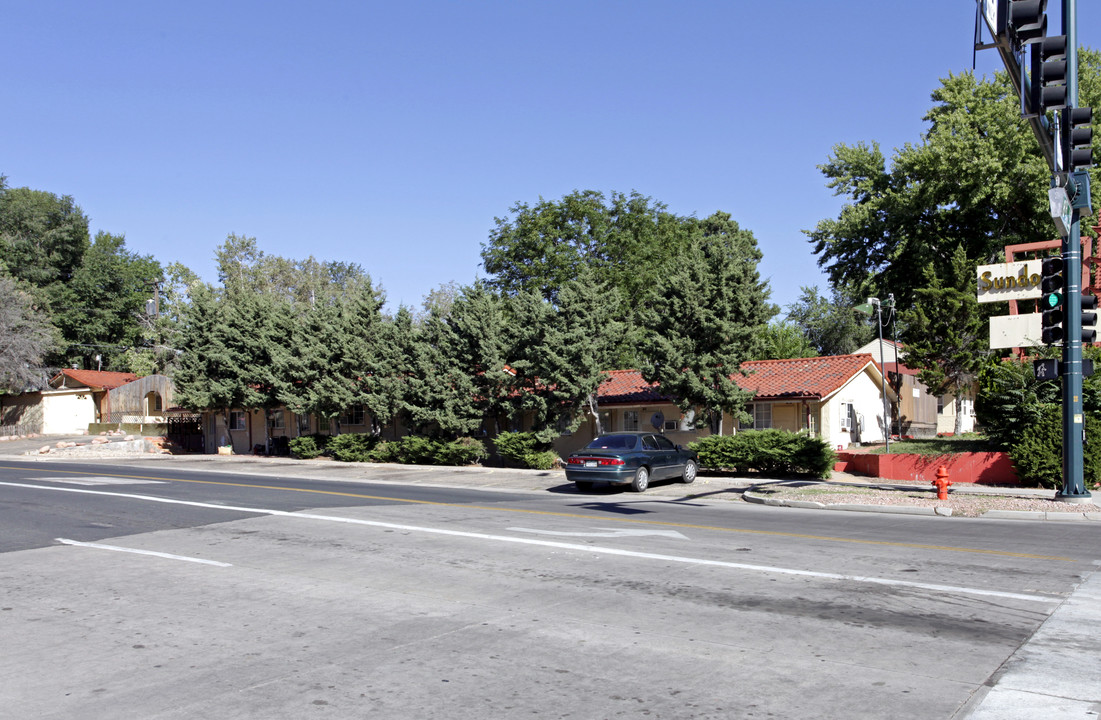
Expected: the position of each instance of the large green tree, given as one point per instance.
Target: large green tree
(975, 179)
(706, 320)
(43, 236)
(627, 241)
(105, 303)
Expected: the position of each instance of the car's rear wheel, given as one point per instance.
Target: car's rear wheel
(584, 484)
(689, 474)
(641, 480)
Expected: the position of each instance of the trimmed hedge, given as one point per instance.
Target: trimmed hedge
(768, 452)
(525, 450)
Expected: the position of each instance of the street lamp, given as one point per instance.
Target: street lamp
(873, 304)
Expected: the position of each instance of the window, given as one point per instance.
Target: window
(940, 405)
(630, 420)
(762, 416)
(236, 420)
(847, 413)
(275, 419)
(303, 422)
(353, 416)
(563, 425)
(664, 443)
(649, 443)
(671, 424)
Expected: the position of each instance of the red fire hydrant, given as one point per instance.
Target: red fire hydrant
(942, 483)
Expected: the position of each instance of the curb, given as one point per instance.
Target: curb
(811, 505)
(749, 496)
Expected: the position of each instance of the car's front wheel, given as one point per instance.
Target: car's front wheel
(689, 474)
(641, 480)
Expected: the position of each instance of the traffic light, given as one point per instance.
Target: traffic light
(1049, 74)
(1026, 22)
(1051, 304)
(1077, 138)
(1089, 319)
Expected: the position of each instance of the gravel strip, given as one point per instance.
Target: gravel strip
(965, 504)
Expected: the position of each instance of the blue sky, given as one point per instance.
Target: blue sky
(391, 134)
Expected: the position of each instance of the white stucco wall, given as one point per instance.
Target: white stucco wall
(67, 412)
(864, 393)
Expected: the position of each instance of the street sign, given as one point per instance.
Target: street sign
(1014, 331)
(1008, 281)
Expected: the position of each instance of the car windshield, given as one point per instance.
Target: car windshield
(613, 442)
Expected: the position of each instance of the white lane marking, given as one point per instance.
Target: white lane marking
(604, 533)
(953, 589)
(116, 548)
(100, 480)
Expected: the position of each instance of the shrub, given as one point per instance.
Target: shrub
(415, 450)
(306, 447)
(464, 451)
(1038, 452)
(524, 449)
(770, 452)
(352, 447)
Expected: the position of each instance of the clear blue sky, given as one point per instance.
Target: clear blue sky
(391, 134)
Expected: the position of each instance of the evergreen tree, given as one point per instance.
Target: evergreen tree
(441, 399)
(387, 394)
(477, 342)
(706, 320)
(945, 335)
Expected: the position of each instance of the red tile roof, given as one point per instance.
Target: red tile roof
(811, 378)
(815, 377)
(98, 379)
(627, 386)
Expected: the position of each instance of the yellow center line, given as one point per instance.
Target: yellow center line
(549, 513)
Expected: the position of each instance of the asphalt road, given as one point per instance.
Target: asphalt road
(154, 591)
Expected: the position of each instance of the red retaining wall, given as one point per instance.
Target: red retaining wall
(987, 468)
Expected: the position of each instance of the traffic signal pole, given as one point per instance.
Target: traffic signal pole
(1051, 86)
(1074, 489)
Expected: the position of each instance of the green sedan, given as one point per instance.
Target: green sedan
(631, 459)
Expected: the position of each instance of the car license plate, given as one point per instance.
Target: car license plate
(590, 463)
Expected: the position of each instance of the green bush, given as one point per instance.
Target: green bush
(306, 447)
(1038, 452)
(464, 451)
(524, 449)
(352, 447)
(420, 450)
(769, 452)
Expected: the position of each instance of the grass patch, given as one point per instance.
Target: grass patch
(939, 446)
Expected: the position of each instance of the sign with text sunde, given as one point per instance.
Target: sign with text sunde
(1014, 331)
(1009, 281)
